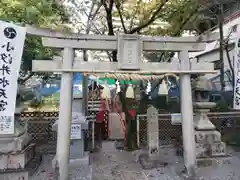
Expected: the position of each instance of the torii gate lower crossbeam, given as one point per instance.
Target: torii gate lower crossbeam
(128, 56)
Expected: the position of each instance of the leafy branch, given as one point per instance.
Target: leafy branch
(151, 20)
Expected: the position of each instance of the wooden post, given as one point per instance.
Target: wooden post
(187, 114)
(65, 115)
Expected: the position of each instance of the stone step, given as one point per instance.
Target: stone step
(210, 150)
(17, 160)
(21, 173)
(10, 144)
(14, 175)
(214, 161)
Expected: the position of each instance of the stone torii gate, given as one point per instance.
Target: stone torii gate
(130, 48)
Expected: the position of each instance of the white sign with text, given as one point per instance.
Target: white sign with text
(11, 49)
(236, 63)
(76, 131)
(76, 128)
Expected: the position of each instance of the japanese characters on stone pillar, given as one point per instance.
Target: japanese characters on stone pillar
(11, 49)
(153, 132)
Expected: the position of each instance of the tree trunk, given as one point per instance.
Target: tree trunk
(230, 65)
(221, 57)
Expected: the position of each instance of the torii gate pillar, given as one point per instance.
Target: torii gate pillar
(65, 114)
(187, 114)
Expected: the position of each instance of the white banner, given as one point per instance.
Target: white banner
(11, 49)
(236, 64)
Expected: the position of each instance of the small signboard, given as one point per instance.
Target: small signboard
(11, 49)
(76, 131)
(76, 127)
(176, 119)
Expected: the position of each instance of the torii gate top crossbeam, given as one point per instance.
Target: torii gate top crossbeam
(105, 42)
(111, 43)
(129, 48)
(45, 32)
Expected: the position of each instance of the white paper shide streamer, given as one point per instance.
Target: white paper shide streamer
(236, 100)
(148, 89)
(118, 88)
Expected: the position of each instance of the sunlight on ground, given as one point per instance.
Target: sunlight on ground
(44, 108)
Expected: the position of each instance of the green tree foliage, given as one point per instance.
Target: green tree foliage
(42, 13)
(148, 17)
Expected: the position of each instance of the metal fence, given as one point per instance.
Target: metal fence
(40, 125)
(228, 123)
(40, 128)
(167, 132)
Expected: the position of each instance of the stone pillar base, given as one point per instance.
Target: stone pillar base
(14, 144)
(16, 153)
(208, 140)
(26, 173)
(209, 144)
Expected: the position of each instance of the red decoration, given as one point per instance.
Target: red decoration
(132, 113)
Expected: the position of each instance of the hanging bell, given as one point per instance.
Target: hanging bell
(130, 92)
(163, 89)
(106, 94)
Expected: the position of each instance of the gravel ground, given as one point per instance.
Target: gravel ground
(112, 164)
(44, 169)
